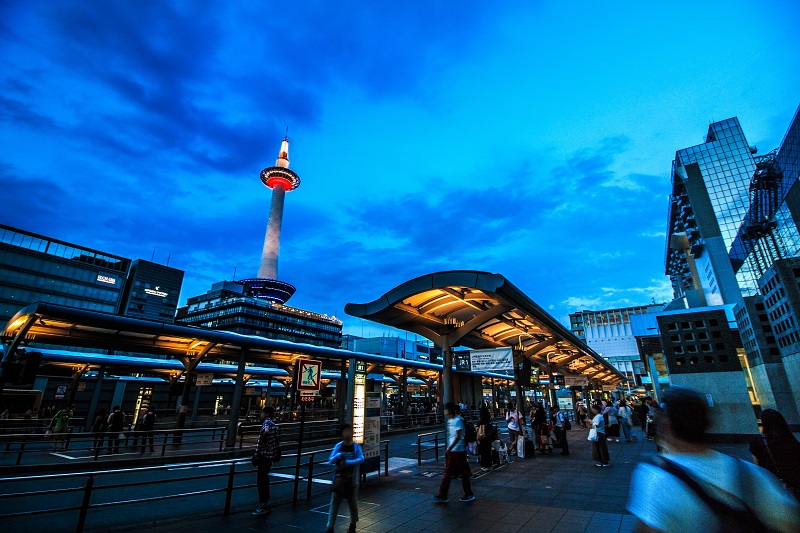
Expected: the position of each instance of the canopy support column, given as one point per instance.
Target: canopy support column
(236, 403)
(98, 386)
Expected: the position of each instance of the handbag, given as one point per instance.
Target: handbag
(343, 486)
(592, 435)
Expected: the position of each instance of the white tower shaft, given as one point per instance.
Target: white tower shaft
(272, 242)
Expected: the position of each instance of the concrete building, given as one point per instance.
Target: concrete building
(232, 306)
(609, 333)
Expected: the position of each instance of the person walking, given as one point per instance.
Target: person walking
(60, 427)
(643, 411)
(486, 436)
(99, 429)
(513, 420)
(148, 427)
(267, 452)
(581, 414)
(557, 416)
(612, 421)
(624, 414)
(597, 435)
(347, 455)
(455, 457)
(778, 450)
(699, 489)
(116, 423)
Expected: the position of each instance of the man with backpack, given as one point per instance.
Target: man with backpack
(699, 489)
(268, 452)
(455, 457)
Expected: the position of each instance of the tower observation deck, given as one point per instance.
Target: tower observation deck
(281, 180)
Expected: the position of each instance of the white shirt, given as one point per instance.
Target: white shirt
(453, 425)
(513, 420)
(665, 503)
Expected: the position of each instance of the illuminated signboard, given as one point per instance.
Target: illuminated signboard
(156, 292)
(106, 279)
(359, 397)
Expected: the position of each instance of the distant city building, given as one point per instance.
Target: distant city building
(230, 306)
(152, 291)
(709, 201)
(35, 268)
(392, 346)
(609, 333)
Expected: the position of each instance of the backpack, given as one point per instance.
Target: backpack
(470, 434)
(565, 423)
(731, 520)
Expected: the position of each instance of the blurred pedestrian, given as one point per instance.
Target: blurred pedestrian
(513, 420)
(148, 428)
(99, 429)
(60, 427)
(597, 434)
(699, 489)
(558, 417)
(455, 456)
(581, 414)
(116, 423)
(267, 452)
(612, 421)
(347, 455)
(624, 414)
(486, 436)
(778, 450)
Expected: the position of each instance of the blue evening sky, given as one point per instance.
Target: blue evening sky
(532, 139)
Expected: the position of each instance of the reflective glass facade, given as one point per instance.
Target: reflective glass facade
(34, 268)
(727, 166)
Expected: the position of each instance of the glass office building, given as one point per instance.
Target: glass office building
(35, 268)
(152, 291)
(709, 201)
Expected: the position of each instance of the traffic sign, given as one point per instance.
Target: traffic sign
(203, 380)
(309, 376)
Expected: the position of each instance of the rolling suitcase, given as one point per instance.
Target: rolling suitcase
(530, 448)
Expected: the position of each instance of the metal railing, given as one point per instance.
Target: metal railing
(425, 438)
(90, 487)
(19, 445)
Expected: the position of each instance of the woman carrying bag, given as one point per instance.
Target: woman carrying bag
(347, 456)
(597, 435)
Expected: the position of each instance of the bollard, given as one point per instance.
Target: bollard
(310, 477)
(419, 452)
(229, 489)
(164, 444)
(87, 495)
(386, 463)
(436, 446)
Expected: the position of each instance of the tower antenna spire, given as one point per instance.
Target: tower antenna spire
(287, 132)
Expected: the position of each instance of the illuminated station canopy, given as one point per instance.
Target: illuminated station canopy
(483, 310)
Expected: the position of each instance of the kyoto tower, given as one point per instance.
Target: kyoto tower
(280, 179)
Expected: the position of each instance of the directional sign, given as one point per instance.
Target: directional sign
(203, 380)
(309, 373)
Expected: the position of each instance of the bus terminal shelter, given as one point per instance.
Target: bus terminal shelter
(481, 310)
(176, 351)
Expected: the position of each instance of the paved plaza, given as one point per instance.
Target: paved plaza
(547, 493)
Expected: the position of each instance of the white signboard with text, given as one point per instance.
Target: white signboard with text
(491, 360)
(576, 381)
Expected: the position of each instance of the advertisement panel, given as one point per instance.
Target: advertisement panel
(372, 425)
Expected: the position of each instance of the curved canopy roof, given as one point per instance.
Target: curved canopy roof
(482, 310)
(58, 325)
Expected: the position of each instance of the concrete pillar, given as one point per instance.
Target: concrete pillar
(98, 387)
(447, 372)
(494, 395)
(404, 395)
(236, 401)
(119, 394)
(196, 402)
(651, 362)
(341, 392)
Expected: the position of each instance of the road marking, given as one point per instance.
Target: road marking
(323, 509)
(65, 456)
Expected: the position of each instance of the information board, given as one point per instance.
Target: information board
(372, 425)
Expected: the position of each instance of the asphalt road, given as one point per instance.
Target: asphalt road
(179, 478)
